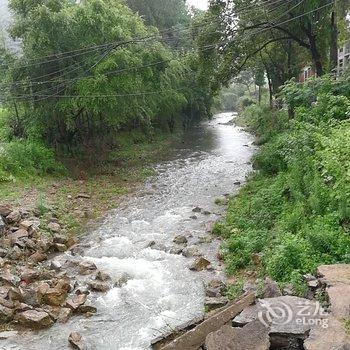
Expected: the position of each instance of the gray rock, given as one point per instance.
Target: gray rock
(56, 265)
(87, 268)
(3, 253)
(215, 302)
(283, 314)
(121, 279)
(9, 278)
(333, 274)
(102, 276)
(313, 284)
(197, 210)
(272, 289)
(191, 251)
(328, 336)
(339, 298)
(176, 250)
(14, 217)
(76, 301)
(253, 336)
(99, 286)
(5, 210)
(200, 264)
(8, 334)
(249, 287)
(205, 239)
(180, 239)
(75, 339)
(64, 315)
(5, 314)
(34, 319)
(54, 227)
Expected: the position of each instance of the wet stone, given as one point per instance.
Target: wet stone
(5, 314)
(180, 239)
(102, 276)
(87, 268)
(34, 319)
(253, 336)
(283, 314)
(200, 264)
(121, 279)
(76, 341)
(191, 251)
(98, 286)
(64, 315)
(8, 334)
(212, 303)
(176, 250)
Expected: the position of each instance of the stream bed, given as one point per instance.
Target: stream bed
(162, 293)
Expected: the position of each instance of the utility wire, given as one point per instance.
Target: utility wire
(77, 52)
(33, 83)
(155, 92)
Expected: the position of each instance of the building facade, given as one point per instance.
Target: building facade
(343, 58)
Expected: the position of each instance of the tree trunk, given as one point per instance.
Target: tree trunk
(334, 42)
(259, 95)
(316, 57)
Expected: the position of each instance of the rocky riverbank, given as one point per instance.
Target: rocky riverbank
(280, 321)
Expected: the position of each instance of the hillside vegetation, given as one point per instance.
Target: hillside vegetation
(294, 212)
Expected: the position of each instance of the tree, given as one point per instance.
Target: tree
(86, 73)
(283, 35)
(162, 14)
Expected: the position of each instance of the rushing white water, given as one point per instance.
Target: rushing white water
(162, 294)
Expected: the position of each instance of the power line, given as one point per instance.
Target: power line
(206, 48)
(78, 52)
(32, 84)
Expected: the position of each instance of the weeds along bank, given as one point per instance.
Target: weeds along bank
(294, 212)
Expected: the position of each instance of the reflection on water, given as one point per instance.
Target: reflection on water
(162, 293)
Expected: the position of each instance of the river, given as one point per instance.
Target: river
(162, 294)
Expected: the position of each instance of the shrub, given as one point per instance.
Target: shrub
(23, 158)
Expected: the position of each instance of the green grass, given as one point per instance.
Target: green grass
(294, 211)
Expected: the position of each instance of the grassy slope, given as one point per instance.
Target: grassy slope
(127, 166)
(294, 212)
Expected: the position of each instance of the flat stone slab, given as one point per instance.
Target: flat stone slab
(253, 336)
(331, 336)
(287, 315)
(195, 338)
(339, 298)
(333, 274)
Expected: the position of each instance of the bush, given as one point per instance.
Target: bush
(22, 158)
(295, 209)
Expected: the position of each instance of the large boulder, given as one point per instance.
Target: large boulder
(330, 335)
(200, 264)
(14, 217)
(334, 274)
(34, 319)
(253, 336)
(5, 314)
(339, 298)
(54, 297)
(191, 251)
(337, 279)
(180, 239)
(76, 301)
(288, 315)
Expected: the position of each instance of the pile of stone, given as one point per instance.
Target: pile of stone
(277, 321)
(35, 292)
